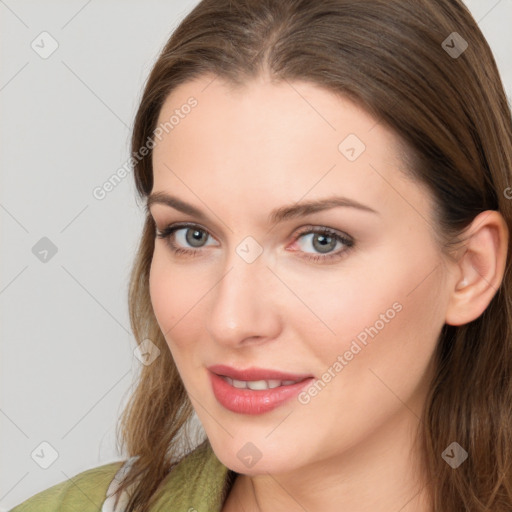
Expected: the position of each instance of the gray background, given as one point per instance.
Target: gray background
(67, 363)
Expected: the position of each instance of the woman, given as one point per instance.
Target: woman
(323, 275)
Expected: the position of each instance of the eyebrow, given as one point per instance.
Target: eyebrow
(277, 215)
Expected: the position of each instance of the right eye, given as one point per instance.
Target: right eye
(178, 236)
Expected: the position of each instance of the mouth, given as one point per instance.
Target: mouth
(257, 385)
(255, 390)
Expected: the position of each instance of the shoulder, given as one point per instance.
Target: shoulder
(85, 492)
(198, 482)
(199, 478)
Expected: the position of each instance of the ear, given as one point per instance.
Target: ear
(480, 269)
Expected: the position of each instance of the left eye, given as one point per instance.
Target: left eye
(323, 242)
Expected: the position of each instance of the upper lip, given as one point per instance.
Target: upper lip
(252, 374)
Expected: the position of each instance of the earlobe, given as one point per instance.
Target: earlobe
(480, 268)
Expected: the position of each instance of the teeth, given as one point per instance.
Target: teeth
(240, 384)
(257, 385)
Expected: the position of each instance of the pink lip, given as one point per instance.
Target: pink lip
(248, 401)
(255, 373)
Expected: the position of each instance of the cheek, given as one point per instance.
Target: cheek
(341, 302)
(387, 320)
(175, 297)
(374, 290)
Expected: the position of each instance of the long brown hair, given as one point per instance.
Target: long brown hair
(393, 58)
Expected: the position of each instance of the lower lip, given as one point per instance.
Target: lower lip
(247, 401)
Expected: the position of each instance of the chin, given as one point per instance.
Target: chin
(252, 460)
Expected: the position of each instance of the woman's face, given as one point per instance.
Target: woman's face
(353, 314)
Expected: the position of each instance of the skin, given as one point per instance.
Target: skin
(241, 153)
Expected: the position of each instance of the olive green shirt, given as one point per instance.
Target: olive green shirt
(199, 482)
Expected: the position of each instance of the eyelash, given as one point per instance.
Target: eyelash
(167, 233)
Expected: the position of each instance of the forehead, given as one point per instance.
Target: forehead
(279, 141)
(274, 114)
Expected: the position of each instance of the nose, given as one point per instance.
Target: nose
(243, 305)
